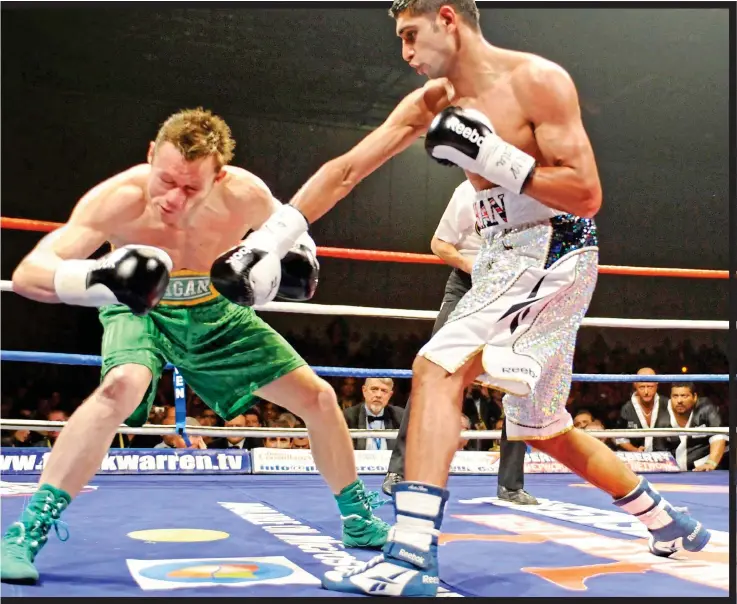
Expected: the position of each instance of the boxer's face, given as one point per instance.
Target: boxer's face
(176, 184)
(428, 41)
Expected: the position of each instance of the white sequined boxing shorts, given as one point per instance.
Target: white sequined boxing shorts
(532, 286)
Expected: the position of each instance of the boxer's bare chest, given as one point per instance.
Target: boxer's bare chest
(499, 103)
(194, 242)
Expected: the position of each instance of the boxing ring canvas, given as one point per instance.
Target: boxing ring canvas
(269, 536)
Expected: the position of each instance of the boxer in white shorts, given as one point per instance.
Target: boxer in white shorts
(513, 119)
(532, 283)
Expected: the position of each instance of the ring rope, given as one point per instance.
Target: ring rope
(58, 358)
(396, 313)
(216, 431)
(25, 224)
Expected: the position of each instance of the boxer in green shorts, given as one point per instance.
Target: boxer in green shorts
(177, 288)
(203, 335)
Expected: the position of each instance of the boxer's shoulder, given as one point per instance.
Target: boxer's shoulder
(241, 186)
(246, 196)
(533, 72)
(541, 86)
(120, 197)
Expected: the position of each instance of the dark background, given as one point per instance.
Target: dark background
(85, 89)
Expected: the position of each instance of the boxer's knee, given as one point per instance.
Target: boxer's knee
(121, 391)
(426, 372)
(318, 400)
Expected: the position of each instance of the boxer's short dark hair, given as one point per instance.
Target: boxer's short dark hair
(198, 133)
(466, 8)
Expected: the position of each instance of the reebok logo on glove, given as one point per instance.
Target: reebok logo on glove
(238, 256)
(466, 132)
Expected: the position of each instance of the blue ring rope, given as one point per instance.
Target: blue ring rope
(57, 358)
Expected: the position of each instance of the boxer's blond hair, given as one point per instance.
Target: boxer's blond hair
(198, 133)
(466, 8)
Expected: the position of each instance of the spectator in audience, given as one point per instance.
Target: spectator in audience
(291, 419)
(56, 415)
(278, 442)
(300, 442)
(208, 418)
(253, 420)
(348, 393)
(23, 438)
(645, 409)
(270, 411)
(234, 442)
(375, 413)
(174, 441)
(582, 419)
(482, 411)
(700, 452)
(249, 419)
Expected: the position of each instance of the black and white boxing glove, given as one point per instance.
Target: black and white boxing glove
(300, 271)
(466, 138)
(134, 275)
(250, 274)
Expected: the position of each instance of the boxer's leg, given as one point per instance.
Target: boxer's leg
(456, 287)
(131, 357)
(543, 420)
(252, 361)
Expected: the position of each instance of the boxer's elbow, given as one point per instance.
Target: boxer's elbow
(23, 277)
(590, 199)
(31, 279)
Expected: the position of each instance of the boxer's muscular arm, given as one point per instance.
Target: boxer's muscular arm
(570, 181)
(409, 120)
(93, 221)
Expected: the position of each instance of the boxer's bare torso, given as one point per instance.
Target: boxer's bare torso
(236, 204)
(119, 211)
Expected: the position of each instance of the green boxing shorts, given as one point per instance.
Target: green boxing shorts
(224, 352)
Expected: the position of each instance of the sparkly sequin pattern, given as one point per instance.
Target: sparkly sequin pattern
(570, 233)
(550, 340)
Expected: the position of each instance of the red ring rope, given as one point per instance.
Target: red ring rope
(25, 224)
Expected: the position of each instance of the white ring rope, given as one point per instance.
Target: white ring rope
(6, 424)
(398, 313)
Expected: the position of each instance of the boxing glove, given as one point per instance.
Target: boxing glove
(249, 274)
(466, 138)
(299, 271)
(134, 275)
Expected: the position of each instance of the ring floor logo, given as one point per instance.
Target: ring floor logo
(213, 572)
(326, 549)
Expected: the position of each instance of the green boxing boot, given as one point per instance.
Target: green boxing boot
(23, 540)
(360, 527)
